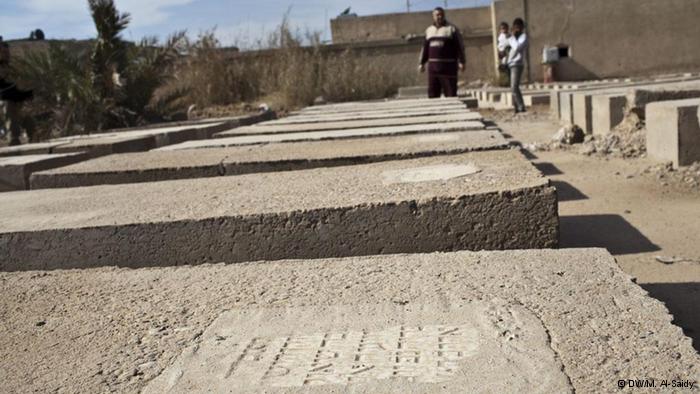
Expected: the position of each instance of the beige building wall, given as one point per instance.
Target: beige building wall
(389, 35)
(609, 38)
(471, 21)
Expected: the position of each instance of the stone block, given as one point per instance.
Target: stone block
(673, 131)
(582, 111)
(329, 135)
(16, 170)
(367, 115)
(266, 128)
(608, 111)
(183, 164)
(473, 201)
(566, 107)
(427, 323)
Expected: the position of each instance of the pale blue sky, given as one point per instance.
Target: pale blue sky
(238, 22)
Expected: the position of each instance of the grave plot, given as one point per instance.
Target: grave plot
(265, 128)
(478, 200)
(329, 135)
(16, 170)
(236, 160)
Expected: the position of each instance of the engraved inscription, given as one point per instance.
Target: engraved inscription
(428, 354)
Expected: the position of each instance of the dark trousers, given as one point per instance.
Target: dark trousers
(442, 84)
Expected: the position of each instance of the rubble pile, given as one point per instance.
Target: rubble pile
(627, 140)
(688, 177)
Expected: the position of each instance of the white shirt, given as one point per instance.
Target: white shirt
(502, 42)
(517, 49)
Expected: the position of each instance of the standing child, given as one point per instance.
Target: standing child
(503, 47)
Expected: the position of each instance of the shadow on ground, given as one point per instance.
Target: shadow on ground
(548, 169)
(567, 192)
(611, 232)
(683, 301)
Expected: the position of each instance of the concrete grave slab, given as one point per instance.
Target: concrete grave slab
(673, 131)
(394, 105)
(183, 164)
(566, 107)
(15, 170)
(328, 135)
(382, 104)
(375, 110)
(35, 148)
(608, 111)
(583, 111)
(340, 211)
(381, 348)
(440, 110)
(639, 98)
(137, 140)
(264, 128)
(570, 320)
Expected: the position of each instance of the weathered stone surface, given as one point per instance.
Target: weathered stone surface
(608, 111)
(639, 98)
(15, 170)
(386, 104)
(182, 164)
(38, 148)
(378, 347)
(137, 140)
(583, 111)
(570, 320)
(367, 115)
(265, 128)
(341, 211)
(389, 106)
(329, 135)
(673, 131)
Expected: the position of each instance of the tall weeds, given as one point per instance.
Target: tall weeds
(118, 84)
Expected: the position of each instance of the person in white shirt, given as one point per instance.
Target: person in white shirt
(516, 61)
(503, 41)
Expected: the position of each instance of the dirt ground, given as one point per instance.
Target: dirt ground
(637, 214)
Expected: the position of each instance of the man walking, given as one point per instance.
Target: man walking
(443, 51)
(516, 61)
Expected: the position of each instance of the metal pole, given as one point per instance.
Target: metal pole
(445, 4)
(408, 5)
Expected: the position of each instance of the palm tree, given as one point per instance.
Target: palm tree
(109, 56)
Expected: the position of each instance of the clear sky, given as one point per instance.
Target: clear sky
(237, 22)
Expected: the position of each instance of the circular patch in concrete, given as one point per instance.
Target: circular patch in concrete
(440, 172)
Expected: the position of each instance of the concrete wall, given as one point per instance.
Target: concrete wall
(392, 26)
(609, 38)
(402, 56)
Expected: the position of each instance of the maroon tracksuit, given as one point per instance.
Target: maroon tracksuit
(443, 50)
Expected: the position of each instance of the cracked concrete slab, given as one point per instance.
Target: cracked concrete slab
(329, 135)
(190, 163)
(326, 212)
(264, 128)
(579, 321)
